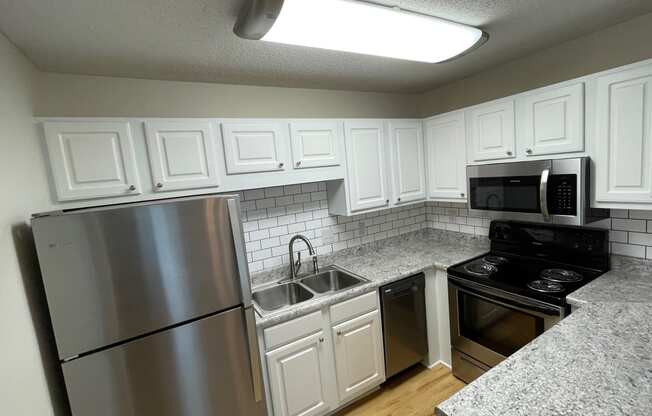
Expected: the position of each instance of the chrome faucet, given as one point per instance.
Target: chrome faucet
(295, 267)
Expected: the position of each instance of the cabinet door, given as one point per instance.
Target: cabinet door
(490, 129)
(299, 379)
(359, 358)
(446, 156)
(315, 143)
(91, 159)
(366, 165)
(182, 154)
(553, 121)
(408, 172)
(624, 136)
(254, 147)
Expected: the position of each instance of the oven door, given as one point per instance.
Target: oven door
(489, 325)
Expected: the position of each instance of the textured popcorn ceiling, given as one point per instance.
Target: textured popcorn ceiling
(192, 40)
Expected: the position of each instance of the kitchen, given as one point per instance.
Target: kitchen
(381, 164)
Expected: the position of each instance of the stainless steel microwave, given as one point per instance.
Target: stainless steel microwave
(554, 191)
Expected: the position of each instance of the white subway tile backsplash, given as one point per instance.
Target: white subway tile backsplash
(271, 216)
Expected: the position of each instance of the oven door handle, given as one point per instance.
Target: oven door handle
(523, 305)
(543, 194)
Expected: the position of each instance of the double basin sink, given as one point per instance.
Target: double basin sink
(331, 279)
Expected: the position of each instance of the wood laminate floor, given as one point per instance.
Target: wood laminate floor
(414, 392)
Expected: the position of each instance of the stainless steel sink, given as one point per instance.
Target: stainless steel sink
(282, 295)
(331, 279)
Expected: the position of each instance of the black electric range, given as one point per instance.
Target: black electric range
(539, 261)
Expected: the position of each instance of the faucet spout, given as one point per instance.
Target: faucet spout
(295, 267)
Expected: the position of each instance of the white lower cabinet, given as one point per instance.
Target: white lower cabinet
(299, 379)
(330, 358)
(358, 355)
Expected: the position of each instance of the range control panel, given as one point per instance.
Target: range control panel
(562, 194)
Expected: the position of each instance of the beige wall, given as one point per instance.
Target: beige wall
(28, 364)
(615, 46)
(88, 96)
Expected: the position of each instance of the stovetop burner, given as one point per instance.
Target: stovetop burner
(545, 286)
(480, 268)
(561, 276)
(495, 260)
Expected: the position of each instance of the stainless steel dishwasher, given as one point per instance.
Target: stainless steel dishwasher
(403, 306)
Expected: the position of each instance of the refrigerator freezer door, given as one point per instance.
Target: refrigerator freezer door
(112, 274)
(198, 369)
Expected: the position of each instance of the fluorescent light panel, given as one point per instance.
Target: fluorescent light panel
(369, 29)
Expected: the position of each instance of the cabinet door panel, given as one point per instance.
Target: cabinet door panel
(182, 154)
(366, 163)
(315, 144)
(446, 156)
(299, 379)
(407, 161)
(358, 355)
(253, 147)
(624, 136)
(553, 121)
(491, 131)
(91, 159)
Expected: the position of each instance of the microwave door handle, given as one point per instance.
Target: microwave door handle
(543, 194)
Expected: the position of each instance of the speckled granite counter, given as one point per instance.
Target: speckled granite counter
(597, 361)
(381, 262)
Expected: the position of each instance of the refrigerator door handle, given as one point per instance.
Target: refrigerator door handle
(254, 355)
(240, 250)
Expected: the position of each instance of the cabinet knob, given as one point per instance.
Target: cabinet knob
(528, 151)
(462, 194)
(299, 163)
(339, 333)
(159, 185)
(132, 188)
(321, 339)
(399, 199)
(509, 153)
(387, 201)
(280, 165)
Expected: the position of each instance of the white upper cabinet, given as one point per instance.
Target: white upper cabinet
(624, 136)
(316, 143)
(299, 379)
(255, 147)
(182, 154)
(490, 131)
(407, 157)
(359, 361)
(91, 159)
(446, 156)
(366, 165)
(551, 121)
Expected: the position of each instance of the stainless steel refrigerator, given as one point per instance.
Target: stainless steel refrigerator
(151, 308)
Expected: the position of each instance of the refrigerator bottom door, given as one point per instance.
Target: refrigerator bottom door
(199, 369)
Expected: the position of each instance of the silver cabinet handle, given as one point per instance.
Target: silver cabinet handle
(254, 358)
(528, 151)
(509, 153)
(299, 163)
(543, 194)
(132, 188)
(159, 185)
(280, 165)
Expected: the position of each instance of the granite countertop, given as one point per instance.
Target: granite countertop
(380, 262)
(597, 361)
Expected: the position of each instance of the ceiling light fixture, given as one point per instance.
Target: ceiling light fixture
(358, 27)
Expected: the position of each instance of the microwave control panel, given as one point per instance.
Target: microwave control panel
(562, 194)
